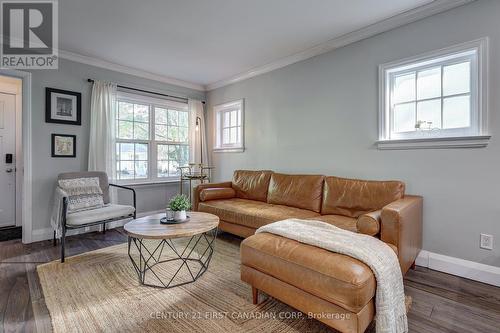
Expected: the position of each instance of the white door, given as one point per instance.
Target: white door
(7, 170)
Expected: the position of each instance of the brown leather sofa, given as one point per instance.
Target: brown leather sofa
(333, 288)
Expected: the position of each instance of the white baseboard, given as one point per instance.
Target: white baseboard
(48, 233)
(460, 267)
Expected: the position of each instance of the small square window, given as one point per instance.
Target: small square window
(229, 127)
(435, 96)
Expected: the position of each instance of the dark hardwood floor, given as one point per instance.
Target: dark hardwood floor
(441, 302)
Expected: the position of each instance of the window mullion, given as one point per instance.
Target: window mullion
(132, 141)
(457, 95)
(442, 96)
(154, 160)
(135, 162)
(152, 136)
(416, 98)
(219, 129)
(474, 91)
(133, 121)
(389, 112)
(119, 159)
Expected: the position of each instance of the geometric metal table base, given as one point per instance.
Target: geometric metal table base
(151, 259)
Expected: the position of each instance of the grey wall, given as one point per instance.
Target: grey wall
(320, 116)
(73, 76)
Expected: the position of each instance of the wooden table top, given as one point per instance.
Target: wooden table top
(149, 227)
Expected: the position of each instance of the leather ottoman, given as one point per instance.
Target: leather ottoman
(333, 288)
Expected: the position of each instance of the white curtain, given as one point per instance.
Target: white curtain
(198, 138)
(102, 128)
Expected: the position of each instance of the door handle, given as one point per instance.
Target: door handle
(9, 170)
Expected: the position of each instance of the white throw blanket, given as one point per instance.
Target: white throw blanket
(389, 299)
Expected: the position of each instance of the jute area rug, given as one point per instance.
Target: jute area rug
(99, 291)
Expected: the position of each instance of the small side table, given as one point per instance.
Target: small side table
(194, 172)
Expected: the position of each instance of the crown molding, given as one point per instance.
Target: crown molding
(435, 7)
(128, 70)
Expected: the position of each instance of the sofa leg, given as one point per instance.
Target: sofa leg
(55, 240)
(413, 266)
(255, 295)
(104, 228)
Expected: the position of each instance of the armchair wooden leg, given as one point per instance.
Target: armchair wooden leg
(63, 238)
(255, 295)
(413, 266)
(55, 240)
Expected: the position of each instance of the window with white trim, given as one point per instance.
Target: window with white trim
(229, 122)
(152, 138)
(435, 96)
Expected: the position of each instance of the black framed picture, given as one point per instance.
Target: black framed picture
(63, 145)
(63, 106)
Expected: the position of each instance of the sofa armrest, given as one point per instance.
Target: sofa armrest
(134, 195)
(402, 227)
(199, 188)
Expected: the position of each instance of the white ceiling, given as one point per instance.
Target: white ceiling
(205, 41)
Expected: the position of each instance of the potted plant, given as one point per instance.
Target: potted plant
(179, 204)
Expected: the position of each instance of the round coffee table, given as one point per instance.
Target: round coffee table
(181, 263)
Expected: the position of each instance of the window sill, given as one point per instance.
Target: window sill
(229, 150)
(150, 182)
(479, 141)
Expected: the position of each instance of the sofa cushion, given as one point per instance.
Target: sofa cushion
(334, 277)
(100, 214)
(354, 197)
(252, 185)
(301, 191)
(343, 222)
(251, 213)
(217, 193)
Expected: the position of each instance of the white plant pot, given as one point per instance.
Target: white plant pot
(180, 215)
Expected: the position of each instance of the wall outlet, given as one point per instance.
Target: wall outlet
(486, 242)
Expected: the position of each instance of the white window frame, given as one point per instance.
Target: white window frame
(474, 136)
(219, 111)
(152, 142)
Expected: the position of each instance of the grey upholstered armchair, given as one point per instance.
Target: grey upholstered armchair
(98, 216)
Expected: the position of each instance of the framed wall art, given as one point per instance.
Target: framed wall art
(63, 145)
(63, 107)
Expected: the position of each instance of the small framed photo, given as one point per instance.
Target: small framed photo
(63, 106)
(63, 145)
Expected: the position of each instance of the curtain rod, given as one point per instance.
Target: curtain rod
(149, 92)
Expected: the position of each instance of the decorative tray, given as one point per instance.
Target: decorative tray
(164, 220)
